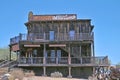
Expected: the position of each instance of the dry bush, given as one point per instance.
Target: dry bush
(56, 74)
(3, 71)
(17, 74)
(11, 78)
(92, 78)
(28, 74)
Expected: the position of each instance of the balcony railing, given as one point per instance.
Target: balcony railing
(90, 60)
(31, 60)
(56, 37)
(64, 60)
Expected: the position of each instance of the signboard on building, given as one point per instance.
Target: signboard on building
(64, 17)
(53, 17)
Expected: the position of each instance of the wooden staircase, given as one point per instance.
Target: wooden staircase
(8, 63)
(3, 63)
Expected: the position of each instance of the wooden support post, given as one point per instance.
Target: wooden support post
(69, 57)
(69, 72)
(10, 53)
(44, 60)
(80, 50)
(93, 70)
(93, 50)
(9, 58)
(64, 33)
(44, 71)
(58, 34)
(80, 56)
(77, 35)
(18, 56)
(44, 52)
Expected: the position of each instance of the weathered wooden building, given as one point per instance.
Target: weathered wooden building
(58, 42)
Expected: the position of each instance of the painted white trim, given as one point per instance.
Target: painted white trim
(57, 45)
(31, 45)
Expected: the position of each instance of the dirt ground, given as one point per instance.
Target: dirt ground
(4, 70)
(49, 78)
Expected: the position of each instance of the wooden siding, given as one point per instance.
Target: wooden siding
(15, 47)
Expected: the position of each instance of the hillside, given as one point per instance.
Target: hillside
(4, 54)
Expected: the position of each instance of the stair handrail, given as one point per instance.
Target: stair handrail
(3, 62)
(8, 63)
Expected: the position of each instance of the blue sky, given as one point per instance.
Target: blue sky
(105, 15)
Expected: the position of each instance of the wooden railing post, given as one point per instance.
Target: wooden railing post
(10, 52)
(44, 60)
(69, 57)
(44, 53)
(80, 60)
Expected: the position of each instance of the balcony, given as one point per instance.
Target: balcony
(46, 37)
(63, 61)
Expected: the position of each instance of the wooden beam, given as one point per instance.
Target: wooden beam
(31, 45)
(57, 45)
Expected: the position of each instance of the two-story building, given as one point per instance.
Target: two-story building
(59, 42)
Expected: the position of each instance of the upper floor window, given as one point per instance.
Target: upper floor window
(51, 35)
(52, 55)
(72, 26)
(72, 34)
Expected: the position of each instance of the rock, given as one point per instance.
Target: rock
(6, 76)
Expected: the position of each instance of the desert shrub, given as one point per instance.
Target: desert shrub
(56, 74)
(28, 74)
(11, 78)
(30, 79)
(93, 77)
(18, 74)
(3, 71)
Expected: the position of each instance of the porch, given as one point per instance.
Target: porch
(63, 61)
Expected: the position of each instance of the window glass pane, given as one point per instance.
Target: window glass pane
(51, 35)
(52, 55)
(59, 54)
(35, 53)
(72, 34)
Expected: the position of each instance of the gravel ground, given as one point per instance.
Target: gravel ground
(49, 78)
